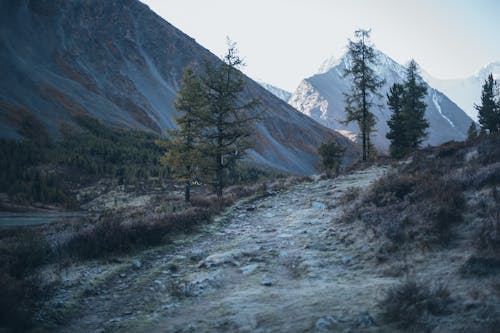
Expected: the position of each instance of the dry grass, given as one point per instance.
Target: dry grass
(406, 303)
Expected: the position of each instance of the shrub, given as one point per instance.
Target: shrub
(390, 189)
(180, 289)
(21, 254)
(481, 266)
(488, 236)
(110, 235)
(406, 303)
(349, 195)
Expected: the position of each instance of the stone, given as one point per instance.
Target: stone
(317, 247)
(249, 269)
(197, 255)
(366, 320)
(346, 260)
(137, 263)
(218, 259)
(267, 282)
(326, 324)
(318, 205)
(123, 275)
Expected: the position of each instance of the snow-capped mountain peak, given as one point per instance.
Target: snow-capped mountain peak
(278, 92)
(321, 97)
(328, 64)
(466, 92)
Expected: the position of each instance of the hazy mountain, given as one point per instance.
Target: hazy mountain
(278, 92)
(321, 97)
(121, 63)
(466, 92)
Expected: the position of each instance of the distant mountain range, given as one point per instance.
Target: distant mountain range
(321, 97)
(120, 62)
(466, 92)
(278, 92)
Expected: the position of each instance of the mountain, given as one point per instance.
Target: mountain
(118, 61)
(321, 97)
(467, 91)
(278, 92)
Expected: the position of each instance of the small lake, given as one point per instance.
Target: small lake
(34, 218)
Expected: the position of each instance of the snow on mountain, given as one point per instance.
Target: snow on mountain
(467, 91)
(278, 92)
(321, 97)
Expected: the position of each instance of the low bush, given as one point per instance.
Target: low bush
(110, 235)
(406, 303)
(349, 195)
(488, 237)
(390, 189)
(481, 266)
(22, 252)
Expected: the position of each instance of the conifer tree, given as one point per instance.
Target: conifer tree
(397, 130)
(331, 157)
(407, 126)
(183, 155)
(489, 110)
(365, 85)
(414, 106)
(472, 131)
(226, 120)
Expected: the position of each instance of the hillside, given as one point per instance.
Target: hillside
(121, 63)
(321, 97)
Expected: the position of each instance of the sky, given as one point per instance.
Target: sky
(283, 42)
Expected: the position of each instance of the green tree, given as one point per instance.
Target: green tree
(331, 157)
(365, 85)
(397, 130)
(472, 131)
(414, 106)
(183, 155)
(226, 120)
(489, 110)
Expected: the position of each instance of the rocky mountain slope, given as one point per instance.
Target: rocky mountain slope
(322, 98)
(467, 91)
(120, 62)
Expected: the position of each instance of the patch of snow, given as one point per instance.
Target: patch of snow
(438, 107)
(348, 134)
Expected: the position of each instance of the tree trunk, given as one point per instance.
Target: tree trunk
(218, 176)
(187, 191)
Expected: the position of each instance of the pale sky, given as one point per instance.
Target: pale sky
(283, 42)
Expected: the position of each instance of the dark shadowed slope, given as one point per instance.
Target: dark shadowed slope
(121, 63)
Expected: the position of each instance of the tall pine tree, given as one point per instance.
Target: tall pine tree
(183, 155)
(407, 125)
(214, 126)
(226, 121)
(397, 130)
(365, 85)
(489, 110)
(414, 106)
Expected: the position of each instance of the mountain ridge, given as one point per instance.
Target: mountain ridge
(321, 97)
(120, 62)
(466, 92)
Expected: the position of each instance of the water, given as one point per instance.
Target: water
(24, 219)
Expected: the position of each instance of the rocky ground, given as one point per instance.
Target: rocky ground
(285, 262)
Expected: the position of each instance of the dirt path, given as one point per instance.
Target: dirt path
(283, 263)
